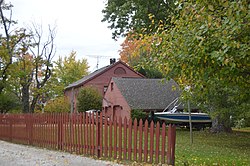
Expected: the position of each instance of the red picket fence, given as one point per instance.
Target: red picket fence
(91, 135)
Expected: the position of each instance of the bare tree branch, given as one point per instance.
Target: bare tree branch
(43, 58)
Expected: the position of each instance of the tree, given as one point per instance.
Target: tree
(134, 16)
(9, 102)
(135, 49)
(89, 99)
(138, 114)
(208, 50)
(135, 52)
(9, 41)
(25, 58)
(22, 72)
(32, 67)
(43, 52)
(59, 104)
(66, 71)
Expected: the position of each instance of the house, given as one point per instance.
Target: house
(126, 94)
(100, 80)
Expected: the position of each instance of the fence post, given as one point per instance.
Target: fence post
(98, 136)
(171, 144)
(10, 121)
(30, 123)
(59, 134)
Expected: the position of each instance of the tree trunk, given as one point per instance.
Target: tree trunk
(1, 86)
(25, 99)
(220, 125)
(33, 103)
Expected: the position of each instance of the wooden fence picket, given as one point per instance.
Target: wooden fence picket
(101, 134)
(86, 134)
(105, 138)
(135, 140)
(140, 140)
(163, 142)
(125, 139)
(151, 151)
(91, 133)
(120, 138)
(97, 141)
(115, 138)
(146, 141)
(110, 147)
(157, 141)
(129, 139)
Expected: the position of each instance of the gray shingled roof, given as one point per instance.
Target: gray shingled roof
(91, 75)
(148, 93)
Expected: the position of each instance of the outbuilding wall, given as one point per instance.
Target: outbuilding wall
(114, 104)
(101, 81)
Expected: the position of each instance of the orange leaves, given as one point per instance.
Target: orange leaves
(134, 47)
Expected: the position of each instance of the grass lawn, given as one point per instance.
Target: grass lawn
(213, 149)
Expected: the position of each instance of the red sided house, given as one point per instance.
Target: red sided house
(126, 94)
(100, 80)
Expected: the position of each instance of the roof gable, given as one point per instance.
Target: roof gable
(97, 73)
(141, 93)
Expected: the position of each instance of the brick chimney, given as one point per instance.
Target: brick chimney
(112, 61)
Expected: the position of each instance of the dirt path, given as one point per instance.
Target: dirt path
(21, 155)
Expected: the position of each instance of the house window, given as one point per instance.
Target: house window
(112, 86)
(105, 89)
(120, 70)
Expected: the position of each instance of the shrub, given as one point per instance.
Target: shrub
(138, 114)
(9, 102)
(240, 123)
(59, 104)
(89, 99)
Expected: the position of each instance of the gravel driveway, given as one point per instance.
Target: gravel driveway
(21, 155)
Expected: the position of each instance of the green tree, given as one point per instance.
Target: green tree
(208, 50)
(9, 42)
(89, 99)
(66, 71)
(138, 114)
(59, 104)
(22, 77)
(9, 102)
(133, 15)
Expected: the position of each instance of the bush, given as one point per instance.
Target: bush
(89, 99)
(9, 102)
(240, 123)
(138, 114)
(59, 104)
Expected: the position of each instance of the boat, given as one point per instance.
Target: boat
(183, 117)
(176, 116)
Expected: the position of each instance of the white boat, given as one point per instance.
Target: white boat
(174, 116)
(177, 117)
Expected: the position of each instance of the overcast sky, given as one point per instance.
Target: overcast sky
(79, 27)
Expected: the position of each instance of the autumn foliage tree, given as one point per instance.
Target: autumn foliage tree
(136, 51)
(67, 70)
(59, 104)
(31, 66)
(26, 65)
